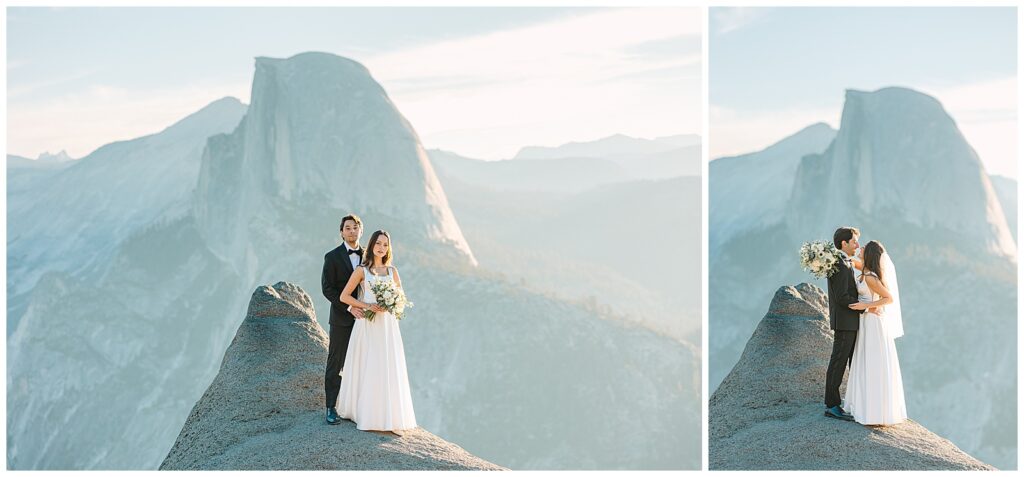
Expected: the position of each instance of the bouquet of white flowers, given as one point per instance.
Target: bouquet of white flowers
(819, 258)
(389, 297)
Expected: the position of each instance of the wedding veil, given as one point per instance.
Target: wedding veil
(892, 318)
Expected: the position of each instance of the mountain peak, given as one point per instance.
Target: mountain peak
(767, 413)
(221, 114)
(891, 93)
(61, 156)
(316, 58)
(313, 74)
(319, 130)
(885, 138)
(817, 127)
(816, 136)
(896, 106)
(767, 174)
(264, 410)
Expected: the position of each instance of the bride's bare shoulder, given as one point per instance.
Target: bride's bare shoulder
(874, 282)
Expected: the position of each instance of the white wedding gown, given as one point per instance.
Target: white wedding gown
(375, 385)
(874, 390)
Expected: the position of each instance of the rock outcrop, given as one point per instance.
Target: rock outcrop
(768, 412)
(264, 410)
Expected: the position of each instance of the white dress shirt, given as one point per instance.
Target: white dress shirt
(352, 258)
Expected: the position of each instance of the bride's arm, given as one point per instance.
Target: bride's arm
(884, 297)
(346, 294)
(857, 263)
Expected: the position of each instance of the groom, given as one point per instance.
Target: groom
(338, 267)
(842, 291)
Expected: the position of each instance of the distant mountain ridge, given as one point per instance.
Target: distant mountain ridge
(103, 198)
(767, 174)
(617, 144)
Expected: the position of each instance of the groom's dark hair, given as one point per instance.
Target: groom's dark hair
(352, 217)
(844, 234)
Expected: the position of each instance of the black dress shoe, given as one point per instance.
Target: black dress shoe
(836, 412)
(332, 416)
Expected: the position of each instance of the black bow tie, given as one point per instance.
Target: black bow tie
(357, 251)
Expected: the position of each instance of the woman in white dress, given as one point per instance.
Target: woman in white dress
(874, 390)
(375, 385)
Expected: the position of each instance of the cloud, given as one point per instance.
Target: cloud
(576, 78)
(14, 64)
(592, 44)
(579, 77)
(981, 101)
(15, 92)
(986, 113)
(728, 19)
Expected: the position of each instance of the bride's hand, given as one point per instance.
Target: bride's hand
(857, 263)
(377, 308)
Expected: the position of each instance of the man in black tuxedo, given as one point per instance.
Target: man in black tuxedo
(338, 267)
(842, 292)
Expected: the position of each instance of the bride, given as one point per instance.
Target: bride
(375, 389)
(874, 390)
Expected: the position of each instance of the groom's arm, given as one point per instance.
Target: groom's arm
(329, 281)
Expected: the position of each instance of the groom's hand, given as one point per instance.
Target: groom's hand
(358, 313)
(858, 306)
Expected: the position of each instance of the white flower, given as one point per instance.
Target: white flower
(818, 257)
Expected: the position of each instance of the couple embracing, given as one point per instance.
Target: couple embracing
(366, 379)
(865, 313)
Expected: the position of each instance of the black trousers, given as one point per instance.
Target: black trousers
(337, 346)
(842, 356)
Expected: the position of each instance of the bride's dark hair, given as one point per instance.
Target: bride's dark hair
(873, 258)
(368, 254)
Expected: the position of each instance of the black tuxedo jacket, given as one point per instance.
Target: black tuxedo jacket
(337, 271)
(842, 291)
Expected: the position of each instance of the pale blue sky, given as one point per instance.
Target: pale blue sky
(79, 78)
(775, 70)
